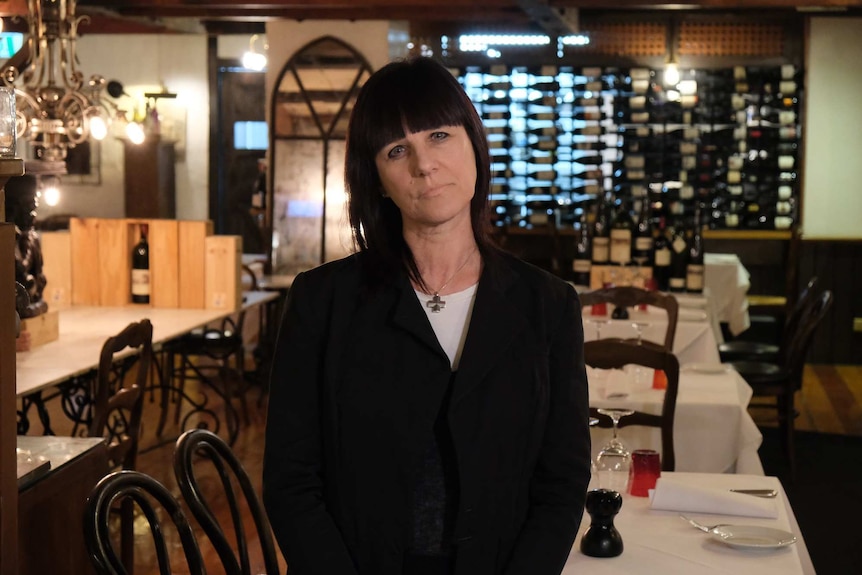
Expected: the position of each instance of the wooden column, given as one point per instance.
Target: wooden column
(8, 413)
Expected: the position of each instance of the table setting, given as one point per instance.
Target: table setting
(713, 431)
(682, 523)
(695, 341)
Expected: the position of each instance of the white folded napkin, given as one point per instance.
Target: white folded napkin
(674, 494)
(691, 315)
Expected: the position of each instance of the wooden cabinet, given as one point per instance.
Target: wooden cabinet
(150, 180)
(51, 508)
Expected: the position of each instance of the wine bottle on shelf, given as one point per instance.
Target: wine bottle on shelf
(642, 250)
(582, 263)
(621, 235)
(141, 268)
(601, 233)
(695, 268)
(678, 258)
(662, 257)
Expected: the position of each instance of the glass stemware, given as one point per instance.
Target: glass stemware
(639, 328)
(598, 323)
(614, 459)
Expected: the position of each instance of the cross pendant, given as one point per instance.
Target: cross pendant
(435, 303)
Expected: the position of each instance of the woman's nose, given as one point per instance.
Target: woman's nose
(424, 161)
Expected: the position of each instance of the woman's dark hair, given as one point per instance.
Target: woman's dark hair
(419, 94)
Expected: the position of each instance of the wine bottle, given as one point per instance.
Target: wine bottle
(582, 263)
(642, 250)
(621, 235)
(141, 269)
(678, 258)
(695, 268)
(601, 233)
(662, 257)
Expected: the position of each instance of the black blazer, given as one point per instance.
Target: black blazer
(356, 378)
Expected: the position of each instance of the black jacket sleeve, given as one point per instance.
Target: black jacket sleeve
(293, 460)
(562, 473)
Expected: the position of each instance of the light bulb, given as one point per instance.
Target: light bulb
(254, 61)
(135, 133)
(671, 74)
(98, 127)
(51, 193)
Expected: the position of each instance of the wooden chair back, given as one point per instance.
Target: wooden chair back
(803, 302)
(117, 409)
(193, 449)
(134, 487)
(117, 403)
(614, 354)
(630, 296)
(801, 338)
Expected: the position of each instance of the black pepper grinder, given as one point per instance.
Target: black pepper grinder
(602, 539)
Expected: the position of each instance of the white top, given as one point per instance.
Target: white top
(452, 321)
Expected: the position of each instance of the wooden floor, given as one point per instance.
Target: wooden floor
(830, 402)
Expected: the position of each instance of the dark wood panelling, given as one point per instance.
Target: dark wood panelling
(838, 266)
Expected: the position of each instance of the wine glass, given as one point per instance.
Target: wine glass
(614, 459)
(598, 323)
(639, 328)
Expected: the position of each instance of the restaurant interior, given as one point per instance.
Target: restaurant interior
(199, 144)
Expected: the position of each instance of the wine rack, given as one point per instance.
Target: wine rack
(726, 139)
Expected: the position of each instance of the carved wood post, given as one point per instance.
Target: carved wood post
(8, 413)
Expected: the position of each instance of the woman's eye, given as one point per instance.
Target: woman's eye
(439, 135)
(395, 152)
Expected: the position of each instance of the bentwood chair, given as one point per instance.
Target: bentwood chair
(741, 349)
(630, 296)
(117, 409)
(614, 354)
(154, 500)
(781, 380)
(193, 450)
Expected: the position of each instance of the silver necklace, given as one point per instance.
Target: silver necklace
(435, 303)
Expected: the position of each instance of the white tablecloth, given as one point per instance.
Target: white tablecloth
(728, 283)
(660, 543)
(713, 431)
(695, 340)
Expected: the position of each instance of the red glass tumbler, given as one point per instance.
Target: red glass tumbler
(644, 471)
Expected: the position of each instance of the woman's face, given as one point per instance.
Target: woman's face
(430, 175)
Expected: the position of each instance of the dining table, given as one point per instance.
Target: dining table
(712, 431)
(695, 341)
(728, 283)
(52, 368)
(659, 542)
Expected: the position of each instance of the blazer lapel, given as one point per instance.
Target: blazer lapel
(411, 318)
(494, 324)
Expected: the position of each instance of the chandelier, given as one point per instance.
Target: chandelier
(56, 108)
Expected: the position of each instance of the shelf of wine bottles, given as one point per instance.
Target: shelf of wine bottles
(565, 140)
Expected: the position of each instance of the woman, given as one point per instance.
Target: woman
(428, 403)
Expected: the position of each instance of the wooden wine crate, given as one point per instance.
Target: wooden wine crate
(619, 276)
(223, 269)
(164, 263)
(114, 262)
(100, 256)
(85, 261)
(192, 276)
(57, 267)
(42, 328)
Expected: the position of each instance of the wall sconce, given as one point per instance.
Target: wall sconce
(49, 189)
(252, 59)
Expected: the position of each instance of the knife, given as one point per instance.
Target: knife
(768, 493)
